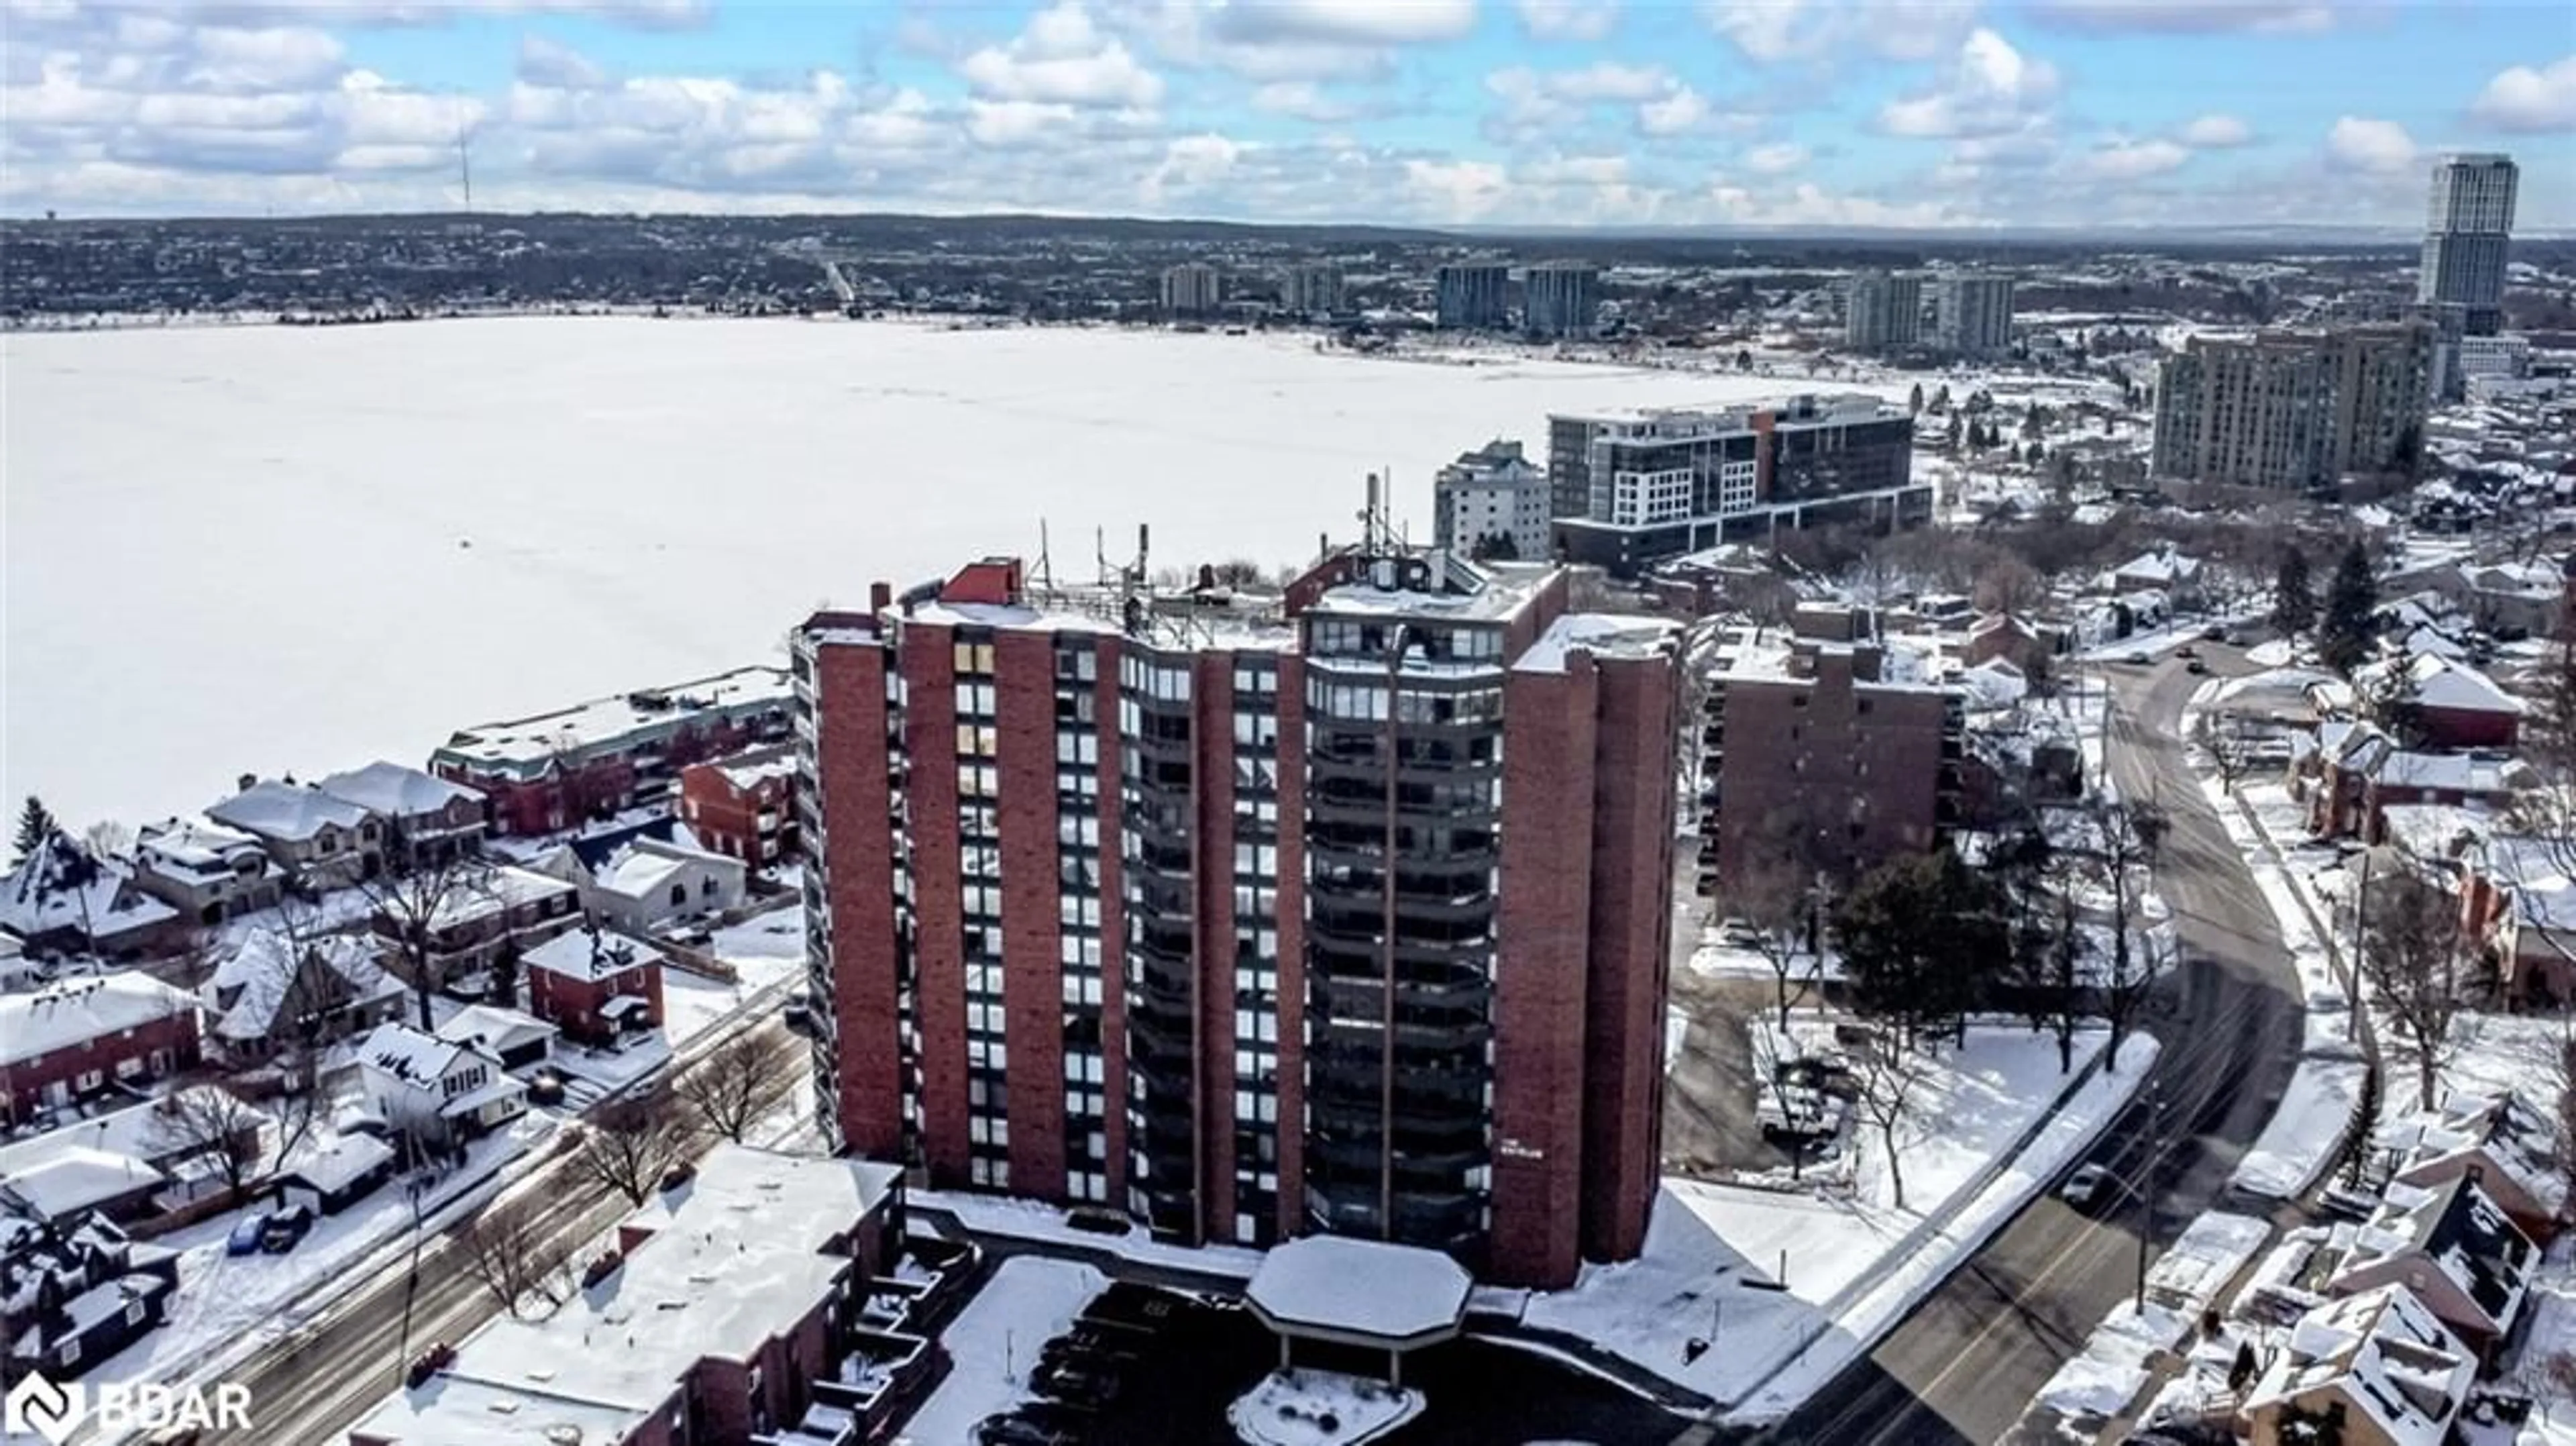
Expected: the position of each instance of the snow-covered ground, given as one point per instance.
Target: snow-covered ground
(765, 951)
(471, 520)
(1319, 1408)
(1037, 1220)
(248, 1300)
(2112, 1370)
(1794, 1284)
(993, 1344)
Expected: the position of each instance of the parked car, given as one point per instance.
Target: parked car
(245, 1237)
(1075, 1385)
(1096, 1220)
(2086, 1187)
(286, 1229)
(1013, 1429)
(679, 1175)
(2195, 667)
(1738, 934)
(429, 1363)
(545, 1087)
(2214, 633)
(2187, 650)
(2137, 657)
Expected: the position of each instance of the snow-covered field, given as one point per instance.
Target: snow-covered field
(993, 1344)
(236, 548)
(1794, 1284)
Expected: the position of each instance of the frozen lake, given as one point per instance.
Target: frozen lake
(269, 549)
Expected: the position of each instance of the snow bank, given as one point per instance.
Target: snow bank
(1320, 1408)
(2299, 1144)
(1037, 1220)
(1790, 1286)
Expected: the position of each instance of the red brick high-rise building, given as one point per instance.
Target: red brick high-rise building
(1101, 906)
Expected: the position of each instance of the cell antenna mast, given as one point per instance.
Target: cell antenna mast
(465, 163)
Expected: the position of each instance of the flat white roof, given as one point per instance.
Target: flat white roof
(59, 1016)
(1334, 1284)
(527, 745)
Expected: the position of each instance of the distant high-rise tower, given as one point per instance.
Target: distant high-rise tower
(1882, 310)
(1474, 296)
(2295, 411)
(1311, 289)
(2467, 227)
(1560, 299)
(1972, 314)
(1192, 288)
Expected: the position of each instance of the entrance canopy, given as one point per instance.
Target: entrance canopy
(1364, 1293)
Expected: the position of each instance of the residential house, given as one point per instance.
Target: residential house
(2164, 571)
(485, 913)
(435, 1089)
(595, 986)
(322, 842)
(730, 1317)
(549, 772)
(83, 1037)
(205, 871)
(2495, 1141)
(428, 821)
(2373, 1369)
(2359, 772)
(2514, 599)
(272, 996)
(648, 884)
(2447, 703)
(517, 1040)
(121, 1162)
(75, 1292)
(336, 1173)
(744, 807)
(2006, 637)
(64, 899)
(2516, 899)
(2456, 1249)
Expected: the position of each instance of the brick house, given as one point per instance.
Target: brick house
(84, 1036)
(744, 807)
(2357, 772)
(504, 907)
(206, 871)
(431, 820)
(551, 771)
(594, 986)
(321, 841)
(732, 1306)
(2452, 704)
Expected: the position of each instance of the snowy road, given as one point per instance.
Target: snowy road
(1961, 1367)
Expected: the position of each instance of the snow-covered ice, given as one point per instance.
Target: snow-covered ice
(439, 524)
(993, 1344)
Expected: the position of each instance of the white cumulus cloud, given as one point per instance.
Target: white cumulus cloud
(2370, 145)
(2525, 99)
(1989, 89)
(1569, 19)
(1062, 58)
(2122, 160)
(2216, 132)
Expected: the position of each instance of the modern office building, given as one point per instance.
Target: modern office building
(2493, 356)
(1473, 296)
(2295, 411)
(1192, 288)
(1632, 488)
(1560, 299)
(1492, 502)
(1311, 289)
(1972, 314)
(1816, 749)
(1882, 310)
(1343, 911)
(2468, 227)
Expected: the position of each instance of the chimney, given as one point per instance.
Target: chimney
(880, 596)
(246, 782)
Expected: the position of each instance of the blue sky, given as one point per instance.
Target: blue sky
(1779, 113)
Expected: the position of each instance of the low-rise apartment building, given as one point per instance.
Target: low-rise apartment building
(726, 1318)
(80, 1037)
(744, 806)
(551, 771)
(504, 907)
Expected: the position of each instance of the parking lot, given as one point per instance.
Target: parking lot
(1151, 1365)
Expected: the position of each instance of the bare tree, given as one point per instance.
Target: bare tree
(1771, 1064)
(506, 1247)
(2231, 753)
(1774, 895)
(2007, 584)
(413, 898)
(1890, 1085)
(2411, 962)
(730, 1087)
(629, 1144)
(209, 1122)
(2116, 855)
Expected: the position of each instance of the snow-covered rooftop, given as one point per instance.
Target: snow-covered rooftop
(590, 955)
(747, 771)
(1368, 1290)
(2438, 681)
(450, 1411)
(493, 891)
(75, 1178)
(493, 1029)
(266, 968)
(63, 886)
(196, 846)
(394, 791)
(339, 1162)
(406, 1054)
(60, 1016)
(289, 812)
(2386, 1354)
(1601, 634)
(528, 746)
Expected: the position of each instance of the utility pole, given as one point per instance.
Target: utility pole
(2147, 1192)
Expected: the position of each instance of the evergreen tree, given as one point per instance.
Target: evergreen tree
(1922, 938)
(2343, 637)
(2294, 598)
(1915, 402)
(35, 825)
(1954, 431)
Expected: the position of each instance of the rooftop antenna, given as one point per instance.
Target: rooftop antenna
(1046, 569)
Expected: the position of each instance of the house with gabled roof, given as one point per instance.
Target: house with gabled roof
(63, 898)
(2497, 1143)
(322, 841)
(273, 994)
(204, 870)
(428, 819)
(437, 1089)
(2456, 1249)
(2373, 1369)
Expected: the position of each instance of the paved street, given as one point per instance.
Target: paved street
(1963, 1366)
(308, 1387)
